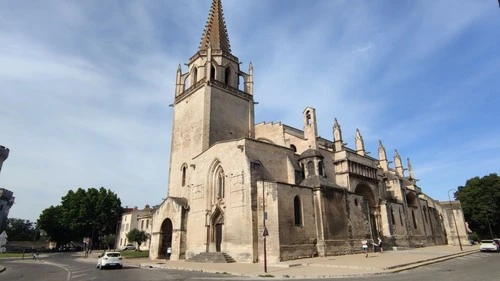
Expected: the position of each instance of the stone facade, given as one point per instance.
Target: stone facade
(233, 181)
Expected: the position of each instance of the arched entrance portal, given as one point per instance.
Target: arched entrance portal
(371, 205)
(217, 222)
(166, 238)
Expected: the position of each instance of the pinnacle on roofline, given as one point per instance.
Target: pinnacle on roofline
(215, 33)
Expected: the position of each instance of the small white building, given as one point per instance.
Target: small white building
(134, 218)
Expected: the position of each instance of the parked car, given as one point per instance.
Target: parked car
(109, 259)
(497, 240)
(128, 247)
(489, 245)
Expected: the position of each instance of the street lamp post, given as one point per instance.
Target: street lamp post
(264, 233)
(454, 220)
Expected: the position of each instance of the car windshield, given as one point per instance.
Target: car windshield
(487, 241)
(113, 255)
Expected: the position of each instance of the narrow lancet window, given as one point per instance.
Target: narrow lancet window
(297, 211)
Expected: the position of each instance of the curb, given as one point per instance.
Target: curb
(412, 265)
(386, 270)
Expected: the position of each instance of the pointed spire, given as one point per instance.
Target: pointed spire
(360, 144)
(178, 81)
(215, 32)
(337, 132)
(398, 164)
(382, 157)
(410, 170)
(249, 80)
(337, 136)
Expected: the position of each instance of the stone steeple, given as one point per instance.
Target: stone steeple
(310, 127)
(337, 136)
(382, 157)
(410, 170)
(360, 144)
(215, 33)
(398, 164)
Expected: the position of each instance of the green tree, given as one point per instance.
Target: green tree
(51, 222)
(83, 213)
(138, 236)
(480, 199)
(108, 240)
(20, 230)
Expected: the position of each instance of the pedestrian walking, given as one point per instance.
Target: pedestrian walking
(365, 247)
(380, 245)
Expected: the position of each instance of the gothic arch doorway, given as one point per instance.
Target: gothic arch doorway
(166, 237)
(371, 207)
(217, 223)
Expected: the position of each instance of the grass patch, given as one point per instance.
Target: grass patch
(266, 275)
(135, 254)
(16, 255)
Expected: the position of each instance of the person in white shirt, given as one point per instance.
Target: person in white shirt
(365, 247)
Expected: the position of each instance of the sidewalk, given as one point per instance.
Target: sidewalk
(320, 267)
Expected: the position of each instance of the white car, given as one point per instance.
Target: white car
(488, 245)
(109, 259)
(128, 247)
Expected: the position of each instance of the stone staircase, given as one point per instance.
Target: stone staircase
(212, 257)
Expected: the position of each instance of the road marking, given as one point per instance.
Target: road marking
(76, 276)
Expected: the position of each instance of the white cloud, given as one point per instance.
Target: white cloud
(85, 86)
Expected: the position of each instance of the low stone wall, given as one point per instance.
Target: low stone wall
(28, 246)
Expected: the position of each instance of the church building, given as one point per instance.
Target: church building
(242, 189)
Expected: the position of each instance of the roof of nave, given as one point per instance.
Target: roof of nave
(311, 152)
(318, 181)
(215, 33)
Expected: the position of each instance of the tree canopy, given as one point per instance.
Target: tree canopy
(138, 236)
(91, 213)
(480, 199)
(20, 230)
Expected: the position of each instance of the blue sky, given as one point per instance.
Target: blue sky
(85, 86)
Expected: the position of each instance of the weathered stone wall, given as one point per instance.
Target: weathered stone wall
(297, 240)
(176, 213)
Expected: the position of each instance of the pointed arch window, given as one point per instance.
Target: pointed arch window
(308, 118)
(219, 183)
(321, 168)
(194, 76)
(414, 219)
(184, 172)
(212, 72)
(310, 168)
(392, 217)
(227, 75)
(297, 211)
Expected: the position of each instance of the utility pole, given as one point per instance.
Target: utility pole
(488, 218)
(265, 233)
(454, 221)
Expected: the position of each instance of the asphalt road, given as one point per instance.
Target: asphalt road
(63, 267)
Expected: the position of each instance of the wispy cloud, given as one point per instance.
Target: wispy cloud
(85, 85)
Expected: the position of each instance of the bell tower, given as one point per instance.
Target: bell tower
(210, 105)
